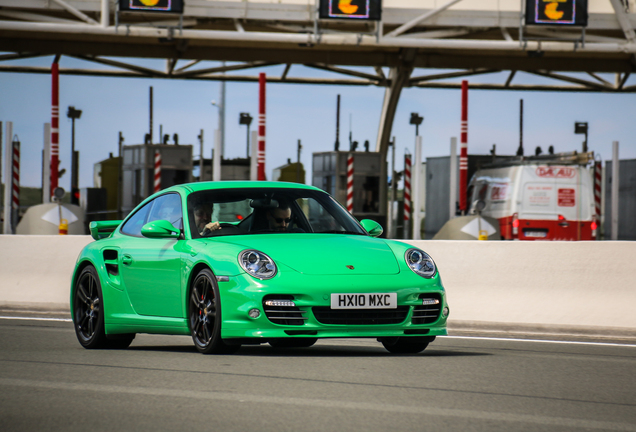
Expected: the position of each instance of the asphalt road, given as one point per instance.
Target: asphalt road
(48, 382)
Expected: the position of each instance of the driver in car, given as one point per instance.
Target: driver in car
(203, 218)
(279, 217)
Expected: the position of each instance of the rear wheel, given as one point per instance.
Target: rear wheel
(88, 307)
(406, 345)
(205, 315)
(293, 342)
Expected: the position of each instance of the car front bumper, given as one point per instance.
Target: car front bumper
(243, 293)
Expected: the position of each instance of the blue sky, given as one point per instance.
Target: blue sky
(295, 111)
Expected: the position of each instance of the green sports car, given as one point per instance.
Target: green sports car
(237, 263)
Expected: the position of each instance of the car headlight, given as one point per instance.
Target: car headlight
(257, 264)
(420, 262)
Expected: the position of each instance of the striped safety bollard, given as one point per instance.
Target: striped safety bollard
(407, 195)
(15, 200)
(350, 183)
(598, 172)
(157, 171)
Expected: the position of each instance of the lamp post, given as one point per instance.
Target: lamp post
(220, 106)
(73, 114)
(246, 119)
(581, 128)
(417, 121)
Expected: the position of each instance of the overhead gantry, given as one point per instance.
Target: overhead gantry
(461, 37)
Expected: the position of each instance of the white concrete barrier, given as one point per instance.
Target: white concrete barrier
(583, 284)
(578, 284)
(35, 271)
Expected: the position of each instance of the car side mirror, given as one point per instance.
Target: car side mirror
(372, 227)
(160, 229)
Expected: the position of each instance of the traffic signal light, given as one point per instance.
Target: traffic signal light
(75, 196)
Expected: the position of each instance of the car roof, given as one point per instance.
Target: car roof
(216, 185)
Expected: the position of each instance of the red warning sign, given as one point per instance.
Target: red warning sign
(566, 198)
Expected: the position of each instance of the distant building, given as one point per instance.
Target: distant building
(626, 200)
(290, 172)
(138, 168)
(231, 169)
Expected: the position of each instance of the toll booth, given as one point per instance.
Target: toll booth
(369, 182)
(138, 167)
(231, 169)
(106, 174)
(290, 172)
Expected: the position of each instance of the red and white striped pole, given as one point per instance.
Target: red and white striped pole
(407, 195)
(596, 220)
(350, 183)
(55, 124)
(463, 156)
(261, 126)
(157, 171)
(15, 199)
(598, 171)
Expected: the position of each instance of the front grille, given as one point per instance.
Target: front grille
(427, 314)
(284, 315)
(326, 315)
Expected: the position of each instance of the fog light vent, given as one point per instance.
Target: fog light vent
(429, 311)
(281, 309)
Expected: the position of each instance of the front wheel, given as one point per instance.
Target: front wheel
(204, 314)
(406, 345)
(88, 310)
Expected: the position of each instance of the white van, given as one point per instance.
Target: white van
(538, 201)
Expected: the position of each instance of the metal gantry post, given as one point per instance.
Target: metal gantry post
(8, 164)
(463, 158)
(615, 185)
(453, 178)
(416, 185)
(261, 126)
(46, 165)
(201, 156)
(55, 124)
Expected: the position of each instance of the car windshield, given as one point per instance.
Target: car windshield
(244, 211)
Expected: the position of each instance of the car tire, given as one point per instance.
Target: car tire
(88, 310)
(406, 345)
(293, 342)
(204, 315)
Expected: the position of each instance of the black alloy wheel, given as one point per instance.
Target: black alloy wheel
(87, 310)
(88, 314)
(205, 315)
(406, 345)
(293, 342)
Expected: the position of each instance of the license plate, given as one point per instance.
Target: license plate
(364, 301)
(535, 233)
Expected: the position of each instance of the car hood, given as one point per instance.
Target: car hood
(325, 254)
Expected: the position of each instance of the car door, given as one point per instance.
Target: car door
(151, 267)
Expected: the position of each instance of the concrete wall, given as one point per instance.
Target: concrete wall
(581, 284)
(35, 271)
